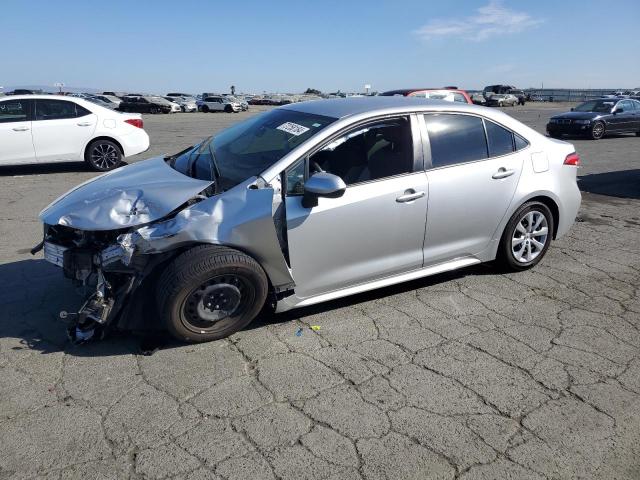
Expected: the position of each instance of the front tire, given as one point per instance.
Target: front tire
(526, 237)
(205, 108)
(597, 131)
(210, 292)
(103, 155)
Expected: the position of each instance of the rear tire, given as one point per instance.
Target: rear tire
(228, 109)
(526, 238)
(210, 292)
(597, 131)
(103, 155)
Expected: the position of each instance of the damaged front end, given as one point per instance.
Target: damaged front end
(104, 265)
(111, 234)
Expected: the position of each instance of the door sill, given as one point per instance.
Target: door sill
(291, 302)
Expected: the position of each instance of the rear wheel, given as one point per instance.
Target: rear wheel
(228, 109)
(210, 292)
(103, 155)
(153, 110)
(527, 237)
(597, 131)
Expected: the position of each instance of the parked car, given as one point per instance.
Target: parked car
(219, 104)
(174, 94)
(502, 100)
(307, 203)
(491, 90)
(244, 105)
(53, 128)
(478, 99)
(109, 99)
(520, 95)
(596, 118)
(175, 106)
(447, 94)
(145, 104)
(102, 103)
(186, 104)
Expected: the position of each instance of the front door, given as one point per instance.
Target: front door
(16, 144)
(376, 228)
(61, 129)
(475, 168)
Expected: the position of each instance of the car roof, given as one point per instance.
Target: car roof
(41, 96)
(344, 107)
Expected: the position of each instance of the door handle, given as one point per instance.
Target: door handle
(409, 196)
(502, 173)
(85, 124)
(20, 129)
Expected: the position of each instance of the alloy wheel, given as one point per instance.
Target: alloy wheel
(530, 236)
(104, 156)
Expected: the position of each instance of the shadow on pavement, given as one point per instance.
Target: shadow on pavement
(47, 168)
(35, 292)
(622, 184)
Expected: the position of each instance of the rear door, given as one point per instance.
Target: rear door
(473, 171)
(16, 144)
(61, 129)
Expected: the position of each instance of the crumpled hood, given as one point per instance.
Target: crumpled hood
(128, 196)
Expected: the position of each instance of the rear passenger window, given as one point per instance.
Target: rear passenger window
(455, 139)
(54, 109)
(500, 139)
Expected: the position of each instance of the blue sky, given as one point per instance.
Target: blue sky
(287, 46)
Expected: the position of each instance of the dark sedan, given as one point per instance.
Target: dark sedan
(596, 118)
(145, 104)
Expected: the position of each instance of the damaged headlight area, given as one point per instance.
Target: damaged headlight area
(103, 262)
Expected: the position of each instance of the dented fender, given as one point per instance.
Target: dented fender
(241, 217)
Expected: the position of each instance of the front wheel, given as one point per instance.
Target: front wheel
(210, 292)
(103, 155)
(205, 108)
(597, 131)
(527, 237)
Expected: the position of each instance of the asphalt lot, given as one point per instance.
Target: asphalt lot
(470, 375)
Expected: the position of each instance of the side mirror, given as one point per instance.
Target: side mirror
(322, 184)
(618, 110)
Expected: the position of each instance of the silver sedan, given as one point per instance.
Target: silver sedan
(306, 203)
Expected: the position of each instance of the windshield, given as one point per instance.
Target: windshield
(601, 106)
(248, 148)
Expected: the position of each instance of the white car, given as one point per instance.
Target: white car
(219, 104)
(186, 104)
(53, 128)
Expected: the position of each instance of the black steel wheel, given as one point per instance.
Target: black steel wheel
(103, 155)
(210, 292)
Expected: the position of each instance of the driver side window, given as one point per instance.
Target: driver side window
(370, 152)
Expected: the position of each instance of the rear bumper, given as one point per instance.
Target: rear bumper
(570, 200)
(135, 142)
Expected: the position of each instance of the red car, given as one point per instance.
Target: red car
(448, 94)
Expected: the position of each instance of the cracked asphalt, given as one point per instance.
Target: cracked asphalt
(472, 375)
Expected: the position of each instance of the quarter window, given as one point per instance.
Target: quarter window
(500, 139)
(455, 139)
(13, 111)
(520, 142)
(370, 152)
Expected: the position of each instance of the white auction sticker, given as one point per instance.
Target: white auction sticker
(292, 128)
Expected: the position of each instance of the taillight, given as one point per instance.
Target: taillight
(136, 122)
(572, 159)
